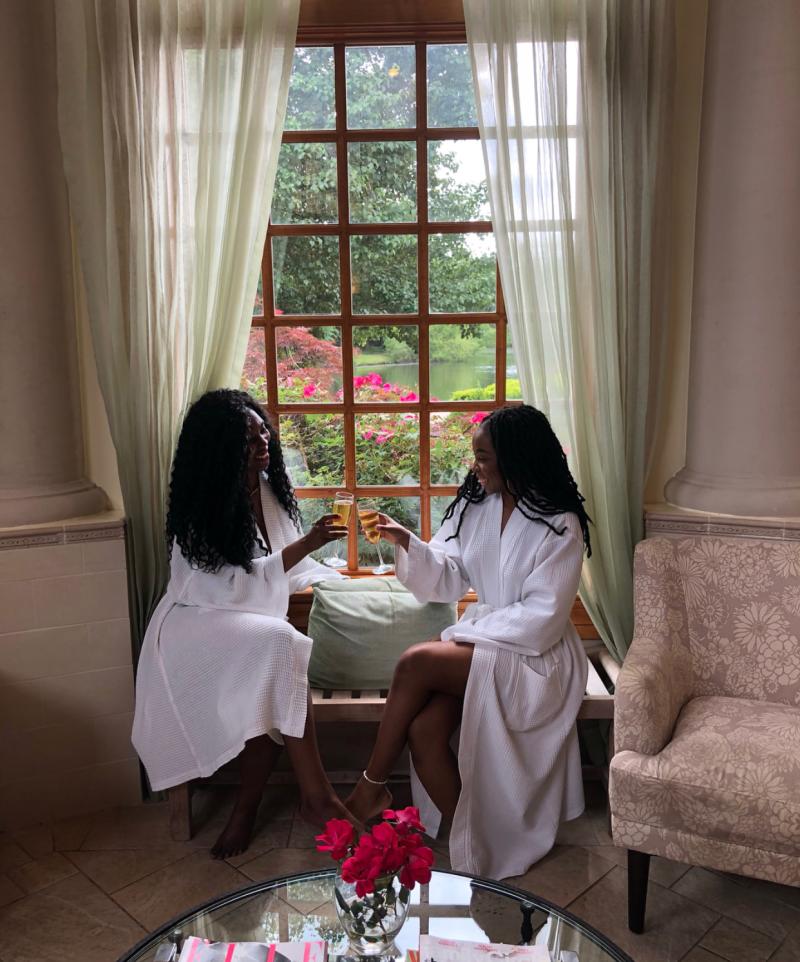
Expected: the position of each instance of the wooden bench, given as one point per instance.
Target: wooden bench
(367, 706)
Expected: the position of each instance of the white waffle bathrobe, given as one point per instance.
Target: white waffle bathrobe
(518, 746)
(220, 663)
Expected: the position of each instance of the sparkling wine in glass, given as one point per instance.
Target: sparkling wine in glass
(342, 506)
(369, 517)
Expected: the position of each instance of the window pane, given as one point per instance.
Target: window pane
(311, 101)
(306, 275)
(386, 363)
(451, 445)
(313, 448)
(381, 85)
(462, 362)
(456, 181)
(311, 510)
(387, 448)
(383, 182)
(309, 364)
(403, 510)
(258, 304)
(305, 185)
(254, 375)
(513, 387)
(451, 101)
(439, 505)
(462, 272)
(384, 274)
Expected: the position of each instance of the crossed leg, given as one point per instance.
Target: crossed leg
(423, 672)
(434, 760)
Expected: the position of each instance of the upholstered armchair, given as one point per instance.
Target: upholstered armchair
(707, 712)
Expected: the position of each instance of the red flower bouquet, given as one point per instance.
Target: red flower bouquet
(377, 872)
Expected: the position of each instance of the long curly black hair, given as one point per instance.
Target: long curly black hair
(534, 468)
(209, 514)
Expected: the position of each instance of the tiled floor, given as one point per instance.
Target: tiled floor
(88, 888)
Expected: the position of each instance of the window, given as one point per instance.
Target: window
(378, 337)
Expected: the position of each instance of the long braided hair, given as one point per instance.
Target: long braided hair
(533, 467)
(209, 513)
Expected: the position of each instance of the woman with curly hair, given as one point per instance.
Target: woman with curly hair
(222, 673)
(511, 673)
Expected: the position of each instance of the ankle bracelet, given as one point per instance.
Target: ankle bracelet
(372, 780)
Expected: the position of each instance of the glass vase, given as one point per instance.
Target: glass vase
(372, 921)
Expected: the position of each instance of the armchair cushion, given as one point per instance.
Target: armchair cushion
(731, 772)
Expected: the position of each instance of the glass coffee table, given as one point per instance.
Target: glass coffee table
(452, 905)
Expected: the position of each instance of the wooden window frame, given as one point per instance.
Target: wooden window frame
(339, 38)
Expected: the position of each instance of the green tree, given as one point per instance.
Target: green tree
(382, 188)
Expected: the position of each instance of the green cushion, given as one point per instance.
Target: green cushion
(361, 626)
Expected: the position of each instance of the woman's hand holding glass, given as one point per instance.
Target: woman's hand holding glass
(342, 506)
(393, 532)
(327, 528)
(369, 516)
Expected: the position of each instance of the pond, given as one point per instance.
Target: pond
(445, 376)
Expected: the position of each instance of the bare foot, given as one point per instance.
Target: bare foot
(237, 833)
(317, 811)
(367, 801)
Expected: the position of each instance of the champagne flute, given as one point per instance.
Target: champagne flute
(342, 506)
(369, 516)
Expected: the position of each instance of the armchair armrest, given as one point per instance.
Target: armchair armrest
(656, 678)
(651, 689)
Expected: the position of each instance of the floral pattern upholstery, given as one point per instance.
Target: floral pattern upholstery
(707, 707)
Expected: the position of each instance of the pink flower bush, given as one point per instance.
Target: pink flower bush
(477, 417)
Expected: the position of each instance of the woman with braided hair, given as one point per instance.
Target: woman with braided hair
(222, 673)
(511, 672)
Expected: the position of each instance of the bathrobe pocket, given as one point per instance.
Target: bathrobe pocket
(529, 688)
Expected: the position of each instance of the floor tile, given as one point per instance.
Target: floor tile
(71, 921)
(738, 943)
(673, 924)
(42, 872)
(789, 951)
(303, 835)
(699, 954)
(70, 833)
(112, 871)
(9, 891)
(11, 854)
(177, 888)
(563, 874)
(266, 837)
(132, 827)
(662, 870)
(578, 831)
(36, 841)
(740, 902)
(790, 894)
(284, 861)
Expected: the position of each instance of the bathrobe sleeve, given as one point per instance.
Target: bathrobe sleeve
(538, 621)
(433, 571)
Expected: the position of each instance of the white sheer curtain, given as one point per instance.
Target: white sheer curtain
(572, 97)
(170, 113)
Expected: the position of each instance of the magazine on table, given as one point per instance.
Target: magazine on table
(201, 950)
(433, 949)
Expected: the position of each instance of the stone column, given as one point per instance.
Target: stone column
(743, 439)
(42, 462)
